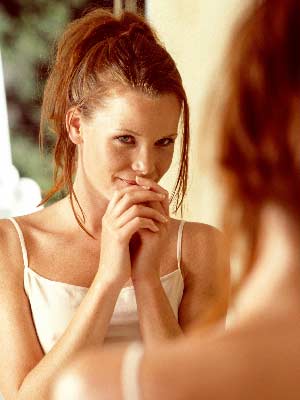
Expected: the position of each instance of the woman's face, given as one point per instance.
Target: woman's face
(131, 134)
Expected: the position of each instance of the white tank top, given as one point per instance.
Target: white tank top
(54, 303)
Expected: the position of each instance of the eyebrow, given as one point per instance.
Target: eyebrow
(138, 134)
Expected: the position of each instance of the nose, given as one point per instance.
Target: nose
(143, 164)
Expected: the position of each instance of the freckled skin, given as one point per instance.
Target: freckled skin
(103, 159)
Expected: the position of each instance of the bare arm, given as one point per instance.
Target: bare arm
(185, 369)
(156, 317)
(248, 363)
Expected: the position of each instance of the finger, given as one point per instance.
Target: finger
(146, 182)
(118, 194)
(154, 186)
(135, 197)
(139, 210)
(137, 224)
(159, 206)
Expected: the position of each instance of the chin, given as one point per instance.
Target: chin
(109, 191)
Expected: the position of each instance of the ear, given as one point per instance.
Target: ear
(73, 125)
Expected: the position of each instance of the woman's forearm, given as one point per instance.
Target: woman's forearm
(156, 317)
(87, 327)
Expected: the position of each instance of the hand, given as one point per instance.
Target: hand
(126, 214)
(147, 246)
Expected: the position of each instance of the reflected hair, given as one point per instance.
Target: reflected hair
(259, 126)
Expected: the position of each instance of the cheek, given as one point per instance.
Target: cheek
(164, 162)
(115, 157)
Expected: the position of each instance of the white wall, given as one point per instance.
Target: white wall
(195, 33)
(18, 196)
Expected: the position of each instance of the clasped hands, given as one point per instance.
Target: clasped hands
(134, 232)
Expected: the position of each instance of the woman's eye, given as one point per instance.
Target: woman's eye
(165, 142)
(127, 139)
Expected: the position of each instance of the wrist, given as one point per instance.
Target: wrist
(109, 282)
(146, 281)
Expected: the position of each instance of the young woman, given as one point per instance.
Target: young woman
(258, 357)
(106, 263)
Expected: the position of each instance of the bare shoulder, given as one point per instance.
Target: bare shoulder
(55, 219)
(11, 259)
(202, 232)
(203, 246)
(40, 220)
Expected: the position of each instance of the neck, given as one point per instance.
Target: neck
(274, 280)
(93, 206)
(279, 239)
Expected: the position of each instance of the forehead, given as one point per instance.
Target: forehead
(136, 108)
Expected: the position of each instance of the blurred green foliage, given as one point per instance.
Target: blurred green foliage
(28, 30)
(30, 162)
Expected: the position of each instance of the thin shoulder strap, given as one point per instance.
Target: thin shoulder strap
(22, 241)
(179, 244)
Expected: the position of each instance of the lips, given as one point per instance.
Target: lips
(128, 181)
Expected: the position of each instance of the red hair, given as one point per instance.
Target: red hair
(96, 53)
(259, 130)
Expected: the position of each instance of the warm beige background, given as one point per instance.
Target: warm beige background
(195, 32)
